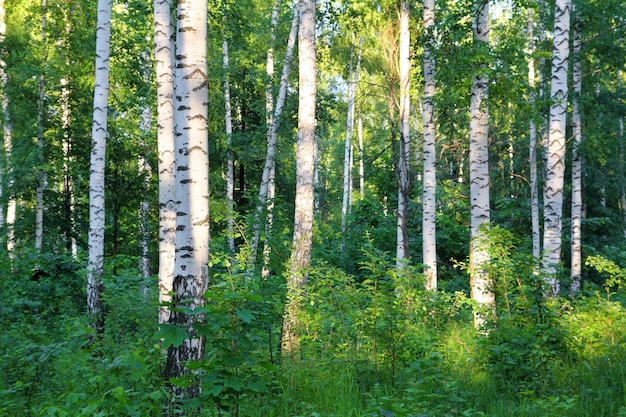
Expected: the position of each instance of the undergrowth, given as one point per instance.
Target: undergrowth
(373, 345)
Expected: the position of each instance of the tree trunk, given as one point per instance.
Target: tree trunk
(555, 170)
(577, 195)
(267, 188)
(353, 75)
(164, 68)
(192, 185)
(230, 163)
(8, 144)
(305, 173)
(402, 245)
(532, 128)
(429, 202)
(145, 170)
(480, 281)
(95, 267)
(41, 111)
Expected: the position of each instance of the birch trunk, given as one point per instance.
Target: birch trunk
(230, 163)
(305, 177)
(95, 267)
(555, 170)
(577, 195)
(145, 170)
(192, 185)
(267, 188)
(402, 236)
(532, 128)
(42, 177)
(429, 202)
(8, 147)
(4, 106)
(361, 156)
(164, 68)
(353, 76)
(480, 281)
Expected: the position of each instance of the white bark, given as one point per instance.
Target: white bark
(555, 170)
(353, 79)
(577, 196)
(145, 170)
(532, 128)
(164, 67)
(402, 245)
(267, 188)
(192, 182)
(305, 173)
(4, 105)
(95, 267)
(480, 281)
(230, 163)
(42, 177)
(429, 202)
(361, 156)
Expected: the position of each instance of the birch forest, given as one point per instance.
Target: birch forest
(313, 208)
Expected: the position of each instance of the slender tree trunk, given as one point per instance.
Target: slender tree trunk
(429, 202)
(532, 128)
(164, 67)
(230, 163)
(305, 177)
(577, 195)
(480, 281)
(361, 157)
(42, 177)
(95, 267)
(353, 75)
(145, 170)
(267, 188)
(402, 246)
(192, 185)
(555, 170)
(8, 144)
(4, 106)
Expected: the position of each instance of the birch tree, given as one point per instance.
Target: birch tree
(267, 188)
(192, 185)
(41, 111)
(402, 238)
(353, 77)
(164, 68)
(555, 169)
(429, 203)
(305, 176)
(230, 163)
(95, 267)
(480, 281)
(532, 129)
(577, 195)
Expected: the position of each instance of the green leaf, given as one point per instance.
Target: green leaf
(247, 316)
(172, 335)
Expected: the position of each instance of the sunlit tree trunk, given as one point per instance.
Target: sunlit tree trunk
(164, 68)
(8, 146)
(429, 202)
(145, 170)
(305, 173)
(402, 235)
(192, 185)
(361, 156)
(532, 128)
(41, 111)
(353, 75)
(267, 188)
(4, 106)
(95, 267)
(555, 170)
(230, 163)
(480, 281)
(577, 195)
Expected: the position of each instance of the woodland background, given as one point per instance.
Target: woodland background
(373, 339)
